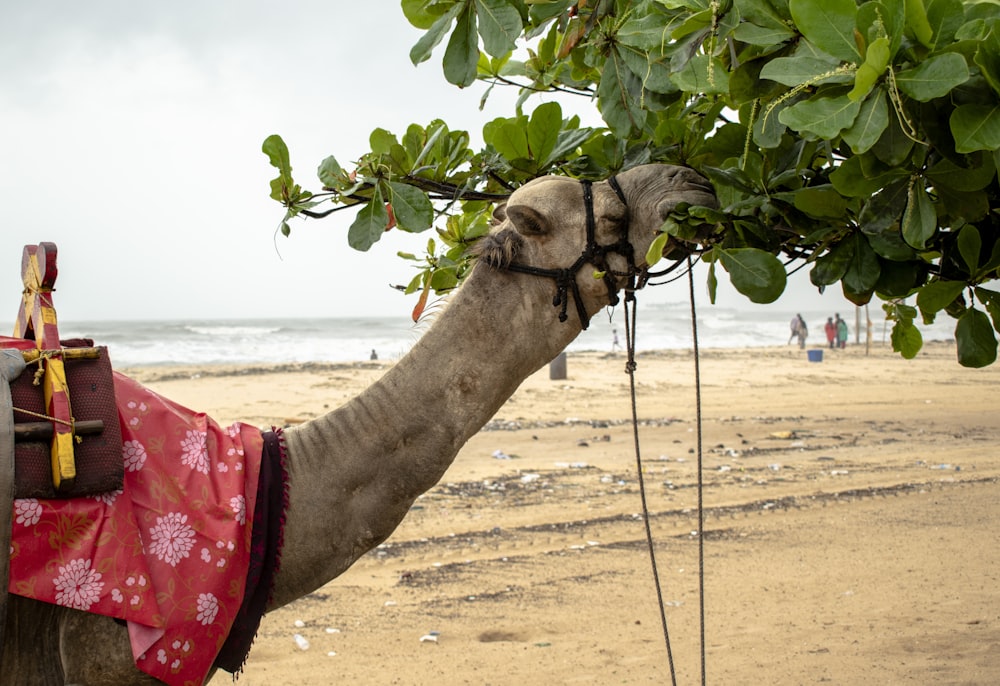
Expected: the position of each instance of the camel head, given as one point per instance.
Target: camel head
(590, 240)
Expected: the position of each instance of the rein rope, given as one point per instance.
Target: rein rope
(630, 367)
(597, 255)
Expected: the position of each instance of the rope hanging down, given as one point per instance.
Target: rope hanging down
(630, 367)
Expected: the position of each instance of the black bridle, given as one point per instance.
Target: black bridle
(594, 254)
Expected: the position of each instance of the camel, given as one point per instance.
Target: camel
(362, 465)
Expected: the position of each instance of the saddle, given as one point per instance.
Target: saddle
(67, 440)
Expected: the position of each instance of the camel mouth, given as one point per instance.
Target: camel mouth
(701, 193)
(500, 249)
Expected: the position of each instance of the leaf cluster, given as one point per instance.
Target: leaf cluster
(858, 139)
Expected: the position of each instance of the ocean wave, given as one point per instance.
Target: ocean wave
(333, 340)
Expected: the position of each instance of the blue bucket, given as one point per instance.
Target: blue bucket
(815, 355)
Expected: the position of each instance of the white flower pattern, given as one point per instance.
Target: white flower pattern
(134, 453)
(208, 608)
(109, 497)
(195, 447)
(172, 538)
(239, 506)
(78, 586)
(27, 511)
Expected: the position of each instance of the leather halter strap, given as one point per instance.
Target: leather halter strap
(593, 254)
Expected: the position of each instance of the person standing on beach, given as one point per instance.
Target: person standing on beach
(799, 330)
(841, 332)
(615, 345)
(831, 331)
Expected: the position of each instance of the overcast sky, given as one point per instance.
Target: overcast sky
(132, 141)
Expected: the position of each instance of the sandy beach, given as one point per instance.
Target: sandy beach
(850, 528)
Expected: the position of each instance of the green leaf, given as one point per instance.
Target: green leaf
(871, 123)
(499, 25)
(882, 19)
(916, 21)
(991, 299)
(713, 283)
(969, 246)
(894, 146)
(509, 137)
(655, 252)
(975, 177)
(763, 13)
(462, 54)
(987, 58)
(543, 131)
(755, 273)
(330, 172)
(862, 272)
(419, 13)
(885, 208)
(876, 60)
(768, 129)
(370, 223)
(829, 25)
(761, 35)
(976, 127)
(650, 68)
(850, 181)
(381, 141)
(617, 96)
(567, 142)
(413, 210)
(934, 77)
(937, 295)
(821, 202)
(794, 71)
(945, 17)
(277, 153)
(919, 217)
(829, 268)
(976, 342)
(824, 116)
(702, 74)
(421, 51)
(899, 279)
(906, 339)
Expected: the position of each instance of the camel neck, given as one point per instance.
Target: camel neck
(357, 470)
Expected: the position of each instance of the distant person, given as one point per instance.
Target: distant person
(831, 332)
(799, 330)
(615, 345)
(841, 332)
(374, 354)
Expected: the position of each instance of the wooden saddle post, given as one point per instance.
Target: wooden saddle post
(37, 320)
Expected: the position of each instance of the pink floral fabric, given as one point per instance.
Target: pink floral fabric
(168, 553)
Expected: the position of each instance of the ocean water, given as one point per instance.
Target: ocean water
(659, 326)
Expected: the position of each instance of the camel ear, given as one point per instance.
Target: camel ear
(499, 213)
(527, 220)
